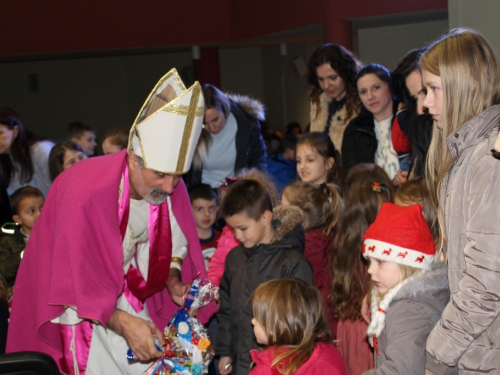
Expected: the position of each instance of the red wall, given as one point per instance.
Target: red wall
(32, 27)
(79, 25)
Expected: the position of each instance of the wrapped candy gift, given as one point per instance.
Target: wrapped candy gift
(187, 350)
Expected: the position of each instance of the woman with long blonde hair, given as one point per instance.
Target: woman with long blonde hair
(462, 76)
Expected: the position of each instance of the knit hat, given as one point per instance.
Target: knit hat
(167, 128)
(400, 235)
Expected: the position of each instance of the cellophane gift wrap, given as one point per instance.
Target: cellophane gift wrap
(188, 349)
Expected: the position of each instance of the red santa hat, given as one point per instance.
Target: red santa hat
(400, 235)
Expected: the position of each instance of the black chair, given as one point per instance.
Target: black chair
(28, 363)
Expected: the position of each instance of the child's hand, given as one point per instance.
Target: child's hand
(400, 178)
(225, 365)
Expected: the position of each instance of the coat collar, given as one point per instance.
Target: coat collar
(473, 132)
(433, 280)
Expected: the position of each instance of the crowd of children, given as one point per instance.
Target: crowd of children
(369, 262)
(386, 285)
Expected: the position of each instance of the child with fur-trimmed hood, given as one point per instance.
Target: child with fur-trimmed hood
(271, 247)
(409, 291)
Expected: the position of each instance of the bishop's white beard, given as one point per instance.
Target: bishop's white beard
(156, 196)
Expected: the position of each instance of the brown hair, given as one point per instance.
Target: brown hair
(323, 145)
(350, 280)
(23, 193)
(76, 129)
(246, 197)
(320, 204)
(416, 191)
(345, 64)
(118, 136)
(292, 315)
(367, 171)
(202, 191)
(265, 179)
(56, 157)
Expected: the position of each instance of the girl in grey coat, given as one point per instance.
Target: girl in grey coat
(410, 291)
(462, 76)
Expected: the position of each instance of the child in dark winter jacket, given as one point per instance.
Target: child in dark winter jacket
(27, 203)
(289, 319)
(271, 247)
(409, 294)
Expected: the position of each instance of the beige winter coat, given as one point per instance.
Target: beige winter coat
(339, 121)
(469, 329)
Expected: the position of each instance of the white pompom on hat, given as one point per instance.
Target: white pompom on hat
(400, 235)
(168, 126)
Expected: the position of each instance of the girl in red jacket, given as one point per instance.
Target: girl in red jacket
(289, 319)
(321, 205)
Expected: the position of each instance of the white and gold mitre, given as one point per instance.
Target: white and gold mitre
(167, 128)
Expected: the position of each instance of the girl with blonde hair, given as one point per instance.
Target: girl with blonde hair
(409, 291)
(462, 76)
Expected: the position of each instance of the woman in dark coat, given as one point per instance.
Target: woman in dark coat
(231, 139)
(367, 139)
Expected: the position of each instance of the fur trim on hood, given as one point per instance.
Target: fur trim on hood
(434, 279)
(252, 106)
(424, 281)
(319, 112)
(285, 218)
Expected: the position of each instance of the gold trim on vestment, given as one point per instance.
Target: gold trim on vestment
(176, 260)
(183, 110)
(188, 128)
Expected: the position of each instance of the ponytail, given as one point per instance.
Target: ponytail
(321, 204)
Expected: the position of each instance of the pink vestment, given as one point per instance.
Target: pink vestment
(75, 255)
